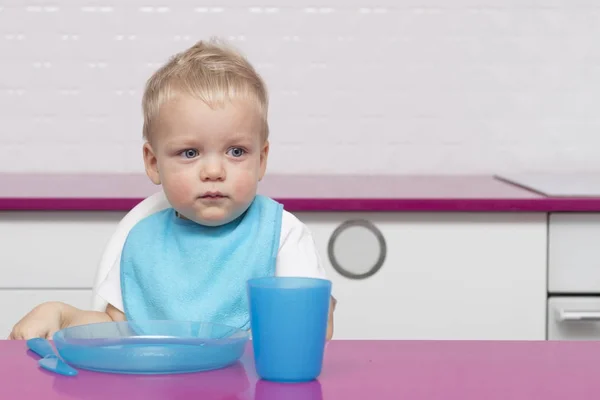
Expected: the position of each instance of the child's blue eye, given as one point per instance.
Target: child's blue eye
(190, 153)
(236, 152)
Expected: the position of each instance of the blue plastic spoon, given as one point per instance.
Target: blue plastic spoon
(50, 361)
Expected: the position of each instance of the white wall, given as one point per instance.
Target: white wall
(393, 85)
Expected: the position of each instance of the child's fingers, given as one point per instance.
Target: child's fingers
(16, 335)
(21, 334)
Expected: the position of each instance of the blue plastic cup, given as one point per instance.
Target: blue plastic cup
(288, 318)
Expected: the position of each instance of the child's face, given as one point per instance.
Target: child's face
(209, 161)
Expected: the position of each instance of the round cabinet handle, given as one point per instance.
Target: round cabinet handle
(357, 249)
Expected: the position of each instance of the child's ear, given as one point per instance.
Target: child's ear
(151, 164)
(264, 154)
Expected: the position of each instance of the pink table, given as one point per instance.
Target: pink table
(381, 370)
(297, 192)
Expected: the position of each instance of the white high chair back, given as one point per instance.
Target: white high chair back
(112, 251)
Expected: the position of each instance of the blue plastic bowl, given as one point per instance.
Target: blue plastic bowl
(151, 347)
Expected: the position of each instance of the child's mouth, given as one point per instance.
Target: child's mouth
(211, 195)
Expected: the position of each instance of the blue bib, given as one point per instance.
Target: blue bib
(176, 269)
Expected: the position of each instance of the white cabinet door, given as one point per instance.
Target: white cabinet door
(14, 304)
(444, 276)
(53, 249)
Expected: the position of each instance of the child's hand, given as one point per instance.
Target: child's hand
(43, 321)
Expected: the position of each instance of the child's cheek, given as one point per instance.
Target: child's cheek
(180, 189)
(244, 184)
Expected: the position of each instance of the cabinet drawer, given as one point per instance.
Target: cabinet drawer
(53, 249)
(17, 303)
(574, 253)
(574, 318)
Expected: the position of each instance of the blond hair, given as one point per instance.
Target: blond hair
(211, 71)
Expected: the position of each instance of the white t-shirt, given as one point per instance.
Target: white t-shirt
(297, 255)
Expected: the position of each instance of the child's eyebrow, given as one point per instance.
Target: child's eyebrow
(181, 143)
(240, 137)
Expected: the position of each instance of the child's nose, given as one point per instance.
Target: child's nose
(212, 170)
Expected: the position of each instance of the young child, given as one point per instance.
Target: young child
(206, 142)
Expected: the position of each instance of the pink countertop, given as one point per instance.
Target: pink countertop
(381, 370)
(298, 193)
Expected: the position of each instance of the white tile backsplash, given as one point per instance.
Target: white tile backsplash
(429, 86)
